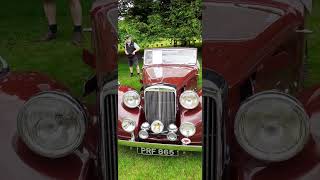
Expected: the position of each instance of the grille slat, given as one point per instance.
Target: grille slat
(160, 105)
(110, 136)
(209, 151)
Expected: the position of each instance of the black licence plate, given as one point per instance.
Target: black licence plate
(157, 152)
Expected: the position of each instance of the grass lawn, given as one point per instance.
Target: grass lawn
(22, 22)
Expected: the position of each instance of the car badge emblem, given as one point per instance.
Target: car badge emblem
(185, 141)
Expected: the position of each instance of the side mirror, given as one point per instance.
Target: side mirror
(89, 58)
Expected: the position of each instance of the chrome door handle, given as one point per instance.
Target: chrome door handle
(305, 31)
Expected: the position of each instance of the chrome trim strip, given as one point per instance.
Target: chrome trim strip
(191, 148)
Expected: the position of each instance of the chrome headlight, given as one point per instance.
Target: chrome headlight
(171, 136)
(143, 134)
(272, 126)
(128, 125)
(131, 99)
(173, 128)
(52, 124)
(189, 99)
(145, 126)
(187, 129)
(157, 127)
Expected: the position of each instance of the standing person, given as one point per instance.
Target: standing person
(76, 13)
(131, 48)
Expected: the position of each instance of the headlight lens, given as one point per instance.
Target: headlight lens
(143, 134)
(189, 99)
(145, 126)
(157, 127)
(52, 124)
(128, 125)
(272, 126)
(187, 129)
(131, 99)
(171, 136)
(173, 128)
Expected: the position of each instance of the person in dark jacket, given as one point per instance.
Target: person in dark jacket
(131, 48)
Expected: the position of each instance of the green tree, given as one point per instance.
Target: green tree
(153, 20)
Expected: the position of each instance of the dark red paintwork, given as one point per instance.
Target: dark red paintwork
(180, 76)
(16, 160)
(274, 60)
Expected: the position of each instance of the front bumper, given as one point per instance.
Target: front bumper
(190, 148)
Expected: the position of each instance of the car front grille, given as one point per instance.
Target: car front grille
(108, 124)
(209, 138)
(160, 104)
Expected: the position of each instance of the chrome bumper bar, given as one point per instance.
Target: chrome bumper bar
(190, 148)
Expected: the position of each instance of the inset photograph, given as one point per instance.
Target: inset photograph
(159, 95)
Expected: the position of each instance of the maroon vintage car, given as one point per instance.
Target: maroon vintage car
(45, 133)
(167, 111)
(259, 121)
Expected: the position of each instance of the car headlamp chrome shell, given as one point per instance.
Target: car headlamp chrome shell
(143, 134)
(52, 124)
(157, 127)
(187, 129)
(272, 126)
(128, 125)
(145, 126)
(131, 99)
(173, 128)
(189, 99)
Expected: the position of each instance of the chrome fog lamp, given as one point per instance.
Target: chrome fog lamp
(171, 136)
(145, 126)
(52, 124)
(143, 134)
(272, 126)
(128, 125)
(173, 128)
(189, 99)
(157, 127)
(131, 99)
(187, 129)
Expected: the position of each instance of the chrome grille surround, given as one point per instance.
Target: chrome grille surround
(108, 127)
(163, 94)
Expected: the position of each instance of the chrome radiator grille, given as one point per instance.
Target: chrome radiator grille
(108, 124)
(160, 104)
(210, 134)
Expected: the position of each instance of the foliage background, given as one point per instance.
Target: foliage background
(161, 21)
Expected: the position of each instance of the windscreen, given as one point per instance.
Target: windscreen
(170, 56)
